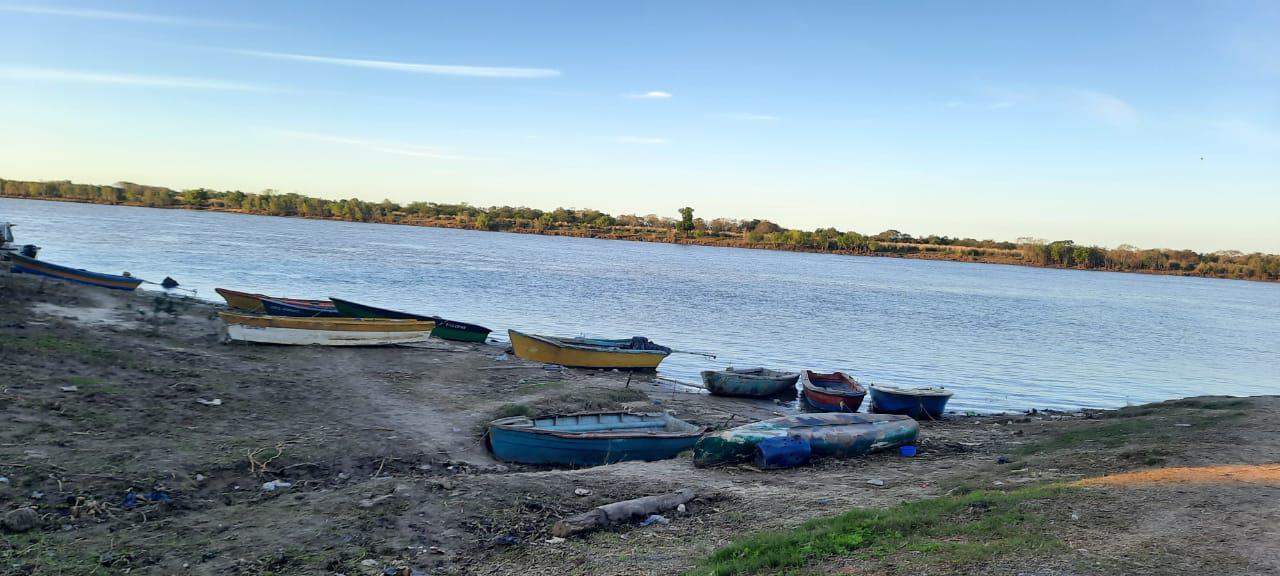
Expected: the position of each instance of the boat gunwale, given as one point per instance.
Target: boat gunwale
(808, 384)
(929, 392)
(561, 343)
(508, 424)
(264, 321)
(755, 374)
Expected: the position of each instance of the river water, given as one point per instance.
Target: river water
(1002, 337)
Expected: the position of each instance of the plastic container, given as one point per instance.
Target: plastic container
(907, 451)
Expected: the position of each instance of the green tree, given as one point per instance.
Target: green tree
(685, 225)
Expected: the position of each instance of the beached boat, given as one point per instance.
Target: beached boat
(749, 382)
(446, 329)
(9, 245)
(250, 302)
(828, 435)
(835, 392)
(27, 265)
(295, 309)
(591, 439)
(637, 353)
(918, 403)
(324, 331)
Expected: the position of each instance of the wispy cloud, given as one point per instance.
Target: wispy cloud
(397, 148)
(95, 14)
(413, 67)
(651, 95)
(1105, 106)
(748, 117)
(642, 140)
(60, 75)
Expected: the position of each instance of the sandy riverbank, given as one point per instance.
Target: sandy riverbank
(101, 396)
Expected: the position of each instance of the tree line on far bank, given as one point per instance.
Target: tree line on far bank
(752, 233)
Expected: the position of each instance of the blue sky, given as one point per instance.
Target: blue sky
(1086, 120)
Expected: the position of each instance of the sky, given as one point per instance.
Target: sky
(1149, 123)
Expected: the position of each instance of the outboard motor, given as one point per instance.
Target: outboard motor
(29, 250)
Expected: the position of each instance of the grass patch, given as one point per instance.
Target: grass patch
(543, 386)
(510, 410)
(953, 530)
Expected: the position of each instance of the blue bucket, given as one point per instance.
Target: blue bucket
(907, 451)
(775, 453)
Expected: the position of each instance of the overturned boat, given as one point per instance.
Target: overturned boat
(751, 382)
(591, 439)
(837, 435)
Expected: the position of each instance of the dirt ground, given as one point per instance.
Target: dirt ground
(104, 394)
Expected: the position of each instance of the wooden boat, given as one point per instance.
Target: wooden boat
(250, 302)
(446, 329)
(28, 265)
(591, 439)
(918, 403)
(835, 392)
(324, 331)
(295, 309)
(637, 353)
(839, 435)
(749, 382)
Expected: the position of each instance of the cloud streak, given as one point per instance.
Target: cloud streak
(651, 95)
(396, 148)
(411, 67)
(1105, 106)
(60, 75)
(649, 140)
(95, 14)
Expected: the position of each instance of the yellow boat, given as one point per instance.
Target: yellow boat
(324, 331)
(636, 353)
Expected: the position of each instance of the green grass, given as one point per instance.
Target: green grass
(1151, 423)
(510, 410)
(953, 530)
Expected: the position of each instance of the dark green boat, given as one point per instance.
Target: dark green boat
(445, 329)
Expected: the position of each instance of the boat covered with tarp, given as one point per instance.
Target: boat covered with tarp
(755, 382)
(591, 439)
(834, 435)
(636, 353)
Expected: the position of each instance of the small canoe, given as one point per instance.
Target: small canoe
(446, 329)
(297, 309)
(324, 331)
(591, 439)
(835, 392)
(250, 302)
(27, 265)
(754, 382)
(918, 403)
(636, 353)
(829, 435)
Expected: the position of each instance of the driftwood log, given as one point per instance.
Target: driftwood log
(609, 514)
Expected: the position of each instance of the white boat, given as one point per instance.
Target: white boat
(8, 245)
(324, 331)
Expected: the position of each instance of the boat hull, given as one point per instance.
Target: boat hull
(840, 393)
(324, 331)
(916, 404)
(460, 331)
(634, 437)
(542, 349)
(445, 329)
(833, 435)
(724, 383)
(250, 302)
(276, 307)
(26, 265)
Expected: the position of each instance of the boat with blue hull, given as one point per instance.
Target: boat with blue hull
(591, 439)
(27, 265)
(750, 382)
(918, 403)
(294, 309)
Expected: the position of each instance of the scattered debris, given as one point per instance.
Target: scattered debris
(1002, 460)
(655, 519)
(69, 388)
(506, 540)
(1075, 516)
(369, 562)
(133, 499)
(36, 495)
(199, 477)
(436, 550)
(581, 492)
(214, 402)
(371, 502)
(554, 540)
(876, 483)
(4, 479)
(682, 509)
(274, 484)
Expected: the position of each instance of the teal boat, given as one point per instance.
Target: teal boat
(446, 329)
(835, 434)
(591, 439)
(754, 382)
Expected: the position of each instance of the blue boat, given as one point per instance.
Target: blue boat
(591, 439)
(751, 382)
(918, 403)
(27, 265)
(275, 307)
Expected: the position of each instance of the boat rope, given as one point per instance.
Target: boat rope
(703, 354)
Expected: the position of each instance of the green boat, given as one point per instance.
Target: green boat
(445, 329)
(833, 434)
